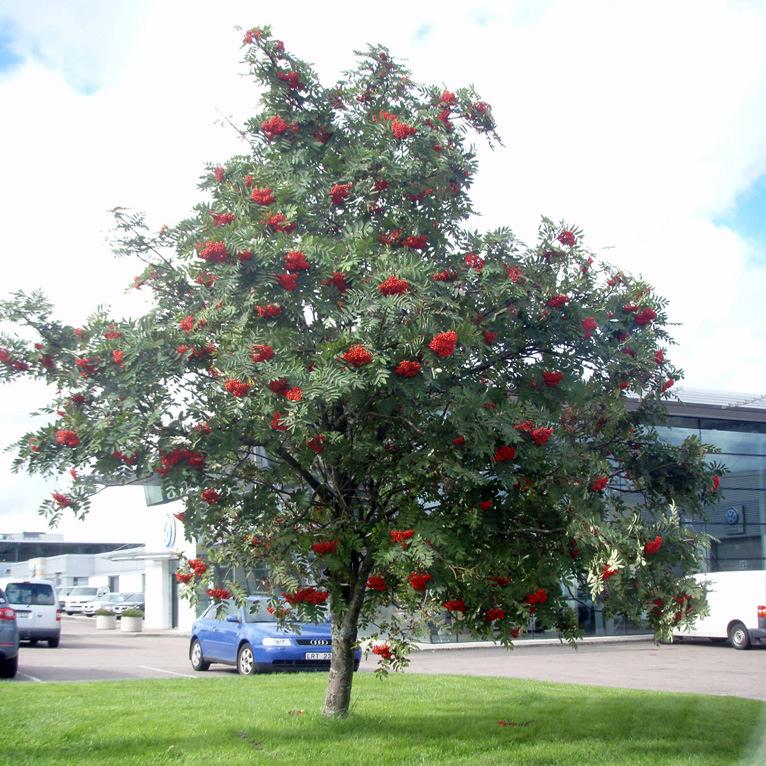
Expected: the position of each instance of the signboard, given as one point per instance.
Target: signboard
(155, 494)
(733, 520)
(169, 531)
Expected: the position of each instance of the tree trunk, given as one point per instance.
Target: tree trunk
(341, 675)
(345, 627)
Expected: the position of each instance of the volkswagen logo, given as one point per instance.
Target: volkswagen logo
(169, 531)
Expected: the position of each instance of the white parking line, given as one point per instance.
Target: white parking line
(32, 678)
(171, 672)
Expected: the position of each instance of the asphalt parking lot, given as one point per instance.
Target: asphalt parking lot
(86, 654)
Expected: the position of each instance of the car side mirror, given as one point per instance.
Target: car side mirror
(232, 618)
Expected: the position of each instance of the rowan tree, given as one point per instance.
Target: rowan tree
(382, 406)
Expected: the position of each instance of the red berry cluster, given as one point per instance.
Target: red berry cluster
(652, 546)
(393, 286)
(237, 388)
(323, 548)
(263, 197)
(376, 582)
(443, 344)
(407, 369)
(214, 252)
(307, 596)
(210, 496)
(67, 437)
(357, 356)
(419, 580)
(178, 456)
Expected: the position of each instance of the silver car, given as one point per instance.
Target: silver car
(9, 639)
(107, 601)
(131, 601)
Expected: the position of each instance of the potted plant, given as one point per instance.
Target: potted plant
(105, 619)
(131, 621)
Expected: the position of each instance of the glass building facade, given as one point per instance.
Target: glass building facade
(736, 425)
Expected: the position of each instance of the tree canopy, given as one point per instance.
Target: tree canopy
(350, 386)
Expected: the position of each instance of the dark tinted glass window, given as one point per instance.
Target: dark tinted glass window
(30, 593)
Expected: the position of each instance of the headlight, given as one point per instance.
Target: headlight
(277, 642)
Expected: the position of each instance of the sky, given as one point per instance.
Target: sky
(640, 122)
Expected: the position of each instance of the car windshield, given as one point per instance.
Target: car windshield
(29, 593)
(257, 611)
(114, 597)
(83, 591)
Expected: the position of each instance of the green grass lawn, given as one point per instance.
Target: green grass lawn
(406, 719)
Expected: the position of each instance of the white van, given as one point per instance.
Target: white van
(737, 603)
(37, 609)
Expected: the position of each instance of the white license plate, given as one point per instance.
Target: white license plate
(22, 615)
(318, 655)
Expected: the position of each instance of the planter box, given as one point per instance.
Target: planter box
(106, 622)
(131, 624)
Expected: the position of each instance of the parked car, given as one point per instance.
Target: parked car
(63, 593)
(131, 601)
(37, 612)
(9, 639)
(250, 639)
(107, 601)
(737, 602)
(81, 595)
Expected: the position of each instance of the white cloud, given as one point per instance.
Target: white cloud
(641, 122)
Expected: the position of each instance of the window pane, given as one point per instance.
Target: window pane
(736, 441)
(677, 435)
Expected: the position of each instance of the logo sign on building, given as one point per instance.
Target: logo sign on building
(169, 531)
(734, 520)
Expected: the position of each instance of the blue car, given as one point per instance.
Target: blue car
(9, 639)
(250, 639)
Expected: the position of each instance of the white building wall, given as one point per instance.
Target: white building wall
(165, 547)
(150, 569)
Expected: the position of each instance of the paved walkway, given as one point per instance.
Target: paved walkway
(89, 655)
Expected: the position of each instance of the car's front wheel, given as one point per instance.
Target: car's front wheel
(195, 655)
(739, 637)
(8, 668)
(246, 661)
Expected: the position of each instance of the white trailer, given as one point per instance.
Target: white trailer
(737, 602)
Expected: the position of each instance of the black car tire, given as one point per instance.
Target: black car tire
(739, 637)
(53, 642)
(246, 665)
(8, 668)
(198, 661)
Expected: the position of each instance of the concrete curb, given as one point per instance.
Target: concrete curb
(533, 642)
